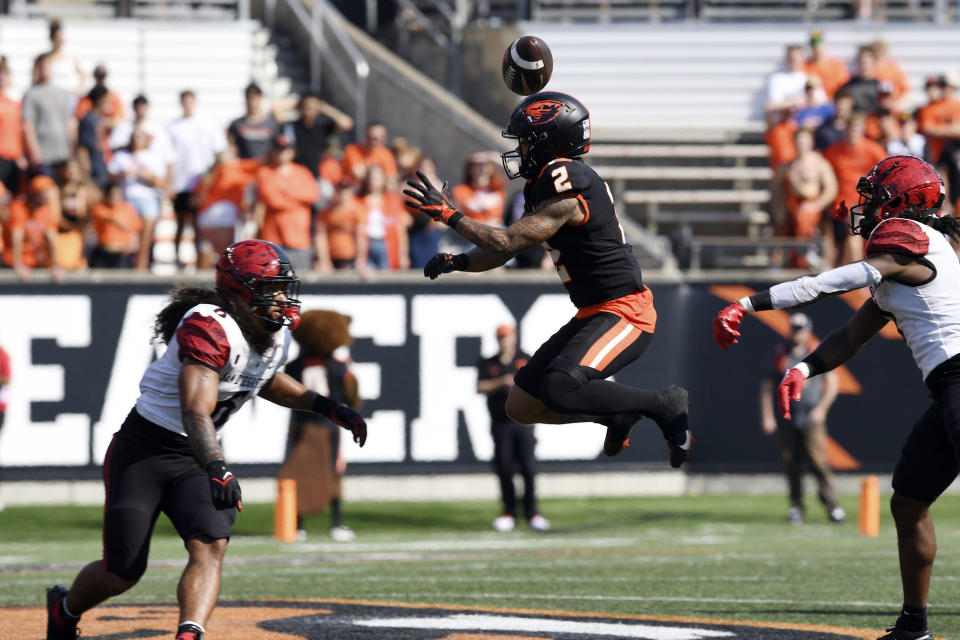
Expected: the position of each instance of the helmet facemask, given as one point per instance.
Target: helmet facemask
(264, 292)
(868, 213)
(518, 164)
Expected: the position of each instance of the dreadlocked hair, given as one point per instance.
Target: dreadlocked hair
(182, 299)
(947, 225)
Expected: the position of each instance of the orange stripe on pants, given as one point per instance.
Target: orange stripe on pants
(610, 345)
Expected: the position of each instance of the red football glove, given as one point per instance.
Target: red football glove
(841, 213)
(790, 388)
(726, 323)
(351, 421)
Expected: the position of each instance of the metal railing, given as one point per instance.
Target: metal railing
(318, 22)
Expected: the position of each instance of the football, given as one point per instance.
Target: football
(527, 65)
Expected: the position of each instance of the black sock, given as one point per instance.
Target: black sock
(564, 393)
(913, 618)
(336, 519)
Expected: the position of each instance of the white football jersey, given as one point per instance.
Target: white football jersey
(207, 334)
(928, 315)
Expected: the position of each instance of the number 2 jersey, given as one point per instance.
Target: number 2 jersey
(592, 257)
(209, 335)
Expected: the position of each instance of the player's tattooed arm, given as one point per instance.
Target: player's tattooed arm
(529, 231)
(198, 398)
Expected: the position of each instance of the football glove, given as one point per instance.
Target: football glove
(224, 488)
(790, 388)
(444, 263)
(436, 203)
(726, 323)
(351, 421)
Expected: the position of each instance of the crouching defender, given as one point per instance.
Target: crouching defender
(913, 272)
(224, 346)
(569, 208)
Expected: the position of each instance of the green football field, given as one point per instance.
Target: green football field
(729, 557)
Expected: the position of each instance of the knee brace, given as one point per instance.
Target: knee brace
(559, 390)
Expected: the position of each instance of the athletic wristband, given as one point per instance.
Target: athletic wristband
(757, 302)
(460, 261)
(324, 405)
(217, 468)
(453, 219)
(814, 364)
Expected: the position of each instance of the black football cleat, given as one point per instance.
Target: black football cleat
(674, 424)
(618, 432)
(59, 625)
(896, 633)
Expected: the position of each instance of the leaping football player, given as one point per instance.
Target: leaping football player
(913, 273)
(224, 346)
(569, 208)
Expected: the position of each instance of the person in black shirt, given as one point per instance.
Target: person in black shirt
(570, 209)
(318, 121)
(252, 133)
(512, 442)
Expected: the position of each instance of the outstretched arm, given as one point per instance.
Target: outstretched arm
(285, 391)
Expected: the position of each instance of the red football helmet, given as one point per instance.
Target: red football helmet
(896, 186)
(256, 271)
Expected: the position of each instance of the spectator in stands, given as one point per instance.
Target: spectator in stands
(159, 141)
(49, 128)
(781, 128)
(886, 70)
(864, 86)
(481, 195)
(341, 240)
(407, 157)
(806, 186)
(831, 71)
(816, 109)
(804, 436)
(65, 69)
(76, 195)
(785, 88)
(118, 226)
(424, 232)
(331, 173)
(286, 193)
(30, 238)
(252, 133)
(196, 144)
(112, 112)
(310, 132)
(91, 137)
(142, 171)
(835, 129)
(12, 161)
(900, 135)
(358, 157)
(387, 222)
(939, 120)
(851, 159)
(223, 195)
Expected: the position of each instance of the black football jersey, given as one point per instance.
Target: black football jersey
(592, 258)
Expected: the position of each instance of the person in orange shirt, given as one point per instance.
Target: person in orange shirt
(939, 120)
(341, 239)
(12, 160)
(358, 157)
(117, 225)
(113, 110)
(31, 235)
(833, 72)
(75, 197)
(286, 193)
(222, 195)
(850, 159)
(481, 195)
(387, 223)
(781, 128)
(886, 70)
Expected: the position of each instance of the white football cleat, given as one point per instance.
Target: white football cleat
(539, 523)
(342, 533)
(837, 514)
(505, 523)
